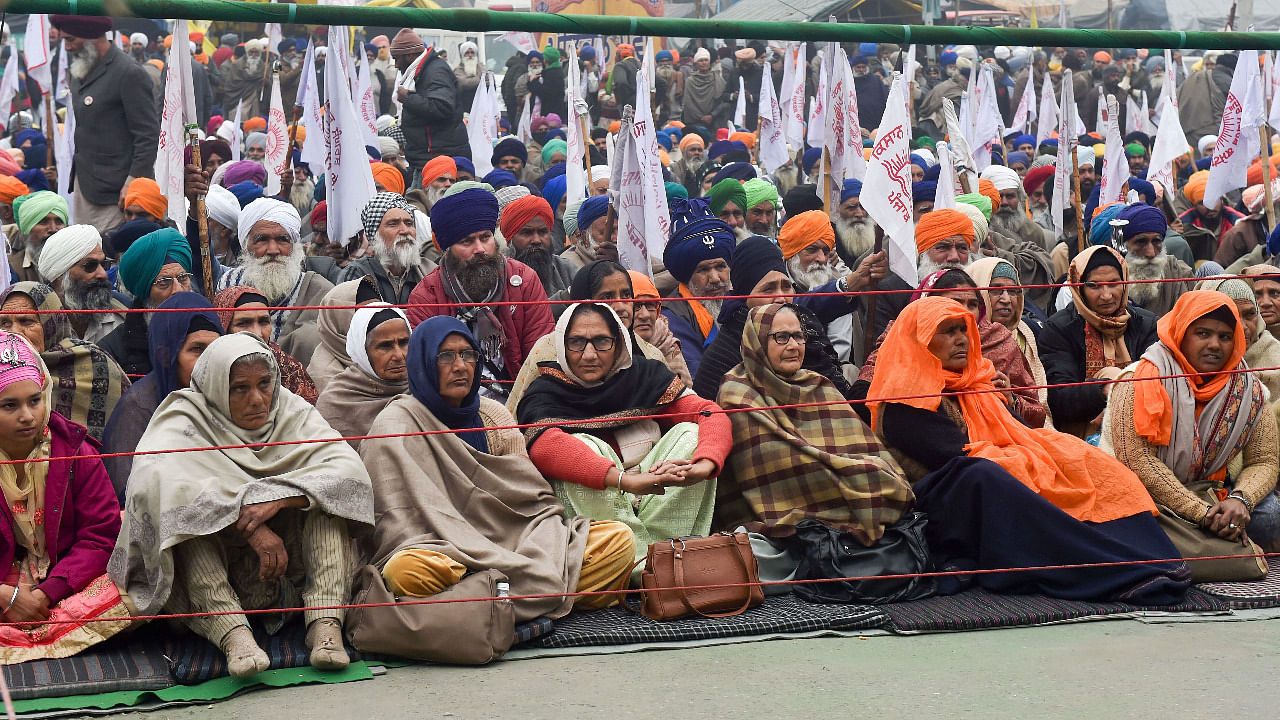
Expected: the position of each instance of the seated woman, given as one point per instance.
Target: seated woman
(377, 343)
(1093, 339)
(791, 464)
(87, 382)
(177, 339)
(1001, 495)
(1205, 446)
(330, 356)
(60, 524)
(661, 484)
(1263, 350)
(451, 503)
(998, 346)
(251, 315)
(246, 527)
(609, 282)
(1005, 307)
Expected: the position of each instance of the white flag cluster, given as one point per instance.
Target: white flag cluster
(575, 168)
(349, 180)
(482, 125)
(639, 198)
(773, 145)
(1115, 165)
(1238, 142)
(794, 71)
(1066, 145)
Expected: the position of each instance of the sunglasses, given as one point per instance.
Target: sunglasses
(91, 265)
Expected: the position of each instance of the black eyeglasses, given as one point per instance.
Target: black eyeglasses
(449, 357)
(783, 338)
(600, 342)
(1012, 292)
(92, 264)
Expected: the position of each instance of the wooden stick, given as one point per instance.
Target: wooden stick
(826, 179)
(869, 327)
(1266, 176)
(610, 224)
(48, 132)
(1075, 181)
(202, 214)
(586, 146)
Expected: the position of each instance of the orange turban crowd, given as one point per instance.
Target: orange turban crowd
(803, 230)
(520, 211)
(145, 193)
(388, 177)
(438, 167)
(936, 226)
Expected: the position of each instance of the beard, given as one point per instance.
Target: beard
(717, 290)
(253, 64)
(477, 276)
(274, 277)
(816, 275)
(1006, 221)
(740, 233)
(539, 259)
(433, 195)
(403, 253)
(94, 295)
(469, 65)
(1144, 294)
(925, 266)
(856, 236)
(1086, 187)
(83, 60)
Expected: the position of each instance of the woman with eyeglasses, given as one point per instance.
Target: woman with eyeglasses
(619, 435)
(1092, 340)
(457, 496)
(378, 345)
(88, 382)
(155, 266)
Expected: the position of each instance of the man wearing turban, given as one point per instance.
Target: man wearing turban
(1146, 258)
(117, 125)
(438, 175)
(243, 82)
(762, 206)
(526, 223)
(511, 155)
(143, 199)
(73, 264)
(592, 243)
(396, 262)
(1204, 227)
(1011, 218)
(728, 200)
(697, 256)
(751, 73)
(472, 270)
(271, 263)
(808, 244)
(854, 230)
(11, 188)
(156, 266)
(39, 215)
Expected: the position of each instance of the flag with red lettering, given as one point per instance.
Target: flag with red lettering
(349, 179)
(794, 70)
(1047, 123)
(277, 139)
(638, 193)
(886, 191)
(1238, 142)
(772, 145)
(178, 110)
(35, 49)
(1066, 145)
(1115, 165)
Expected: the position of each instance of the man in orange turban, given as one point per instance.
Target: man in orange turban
(438, 175)
(10, 188)
(1204, 227)
(944, 239)
(808, 244)
(143, 199)
(387, 177)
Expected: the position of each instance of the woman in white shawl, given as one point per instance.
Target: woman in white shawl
(253, 525)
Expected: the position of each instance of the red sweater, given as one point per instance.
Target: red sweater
(561, 456)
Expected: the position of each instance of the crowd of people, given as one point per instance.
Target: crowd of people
(474, 385)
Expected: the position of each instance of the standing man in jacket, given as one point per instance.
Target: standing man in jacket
(117, 126)
(431, 117)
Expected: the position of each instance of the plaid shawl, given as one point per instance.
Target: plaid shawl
(819, 462)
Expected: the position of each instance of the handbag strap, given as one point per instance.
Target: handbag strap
(678, 561)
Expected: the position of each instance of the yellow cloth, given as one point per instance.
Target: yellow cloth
(606, 565)
(25, 497)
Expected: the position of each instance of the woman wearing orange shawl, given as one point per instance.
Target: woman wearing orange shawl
(1204, 445)
(999, 494)
(1092, 339)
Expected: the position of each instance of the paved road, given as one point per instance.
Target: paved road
(1115, 669)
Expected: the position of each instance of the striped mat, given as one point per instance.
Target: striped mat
(1264, 593)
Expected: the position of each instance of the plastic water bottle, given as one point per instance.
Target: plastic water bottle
(504, 589)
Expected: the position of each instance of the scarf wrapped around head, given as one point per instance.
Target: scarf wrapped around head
(363, 322)
(1104, 336)
(377, 208)
(424, 379)
(820, 463)
(168, 332)
(64, 249)
(1060, 468)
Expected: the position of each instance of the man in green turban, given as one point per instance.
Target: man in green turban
(729, 203)
(39, 215)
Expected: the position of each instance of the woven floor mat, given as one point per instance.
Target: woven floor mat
(1264, 593)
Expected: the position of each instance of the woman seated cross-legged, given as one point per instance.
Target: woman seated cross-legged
(1205, 445)
(452, 503)
(260, 523)
(1001, 495)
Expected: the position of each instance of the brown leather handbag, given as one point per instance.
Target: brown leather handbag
(721, 559)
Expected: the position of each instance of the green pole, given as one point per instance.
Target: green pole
(488, 20)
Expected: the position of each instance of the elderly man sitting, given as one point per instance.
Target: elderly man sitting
(1202, 226)
(762, 207)
(396, 262)
(853, 226)
(808, 245)
(698, 256)
(526, 223)
(1011, 218)
(39, 215)
(592, 224)
(1145, 255)
(728, 200)
(472, 270)
(73, 264)
(271, 263)
(438, 175)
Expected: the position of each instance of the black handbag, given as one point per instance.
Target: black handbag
(829, 553)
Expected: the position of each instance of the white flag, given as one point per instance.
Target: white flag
(1026, 111)
(855, 162)
(945, 198)
(522, 41)
(1066, 145)
(818, 116)
(62, 89)
(524, 128)
(64, 149)
(482, 126)
(1135, 117)
(772, 145)
(835, 135)
(967, 110)
(9, 83)
(1238, 143)
(1170, 143)
(987, 120)
(794, 71)
(575, 170)
(886, 192)
(366, 108)
(277, 139)
(35, 48)
(961, 156)
(178, 110)
(639, 198)
(910, 66)
(740, 110)
(349, 180)
(237, 134)
(1115, 166)
(1099, 124)
(274, 36)
(314, 152)
(1047, 123)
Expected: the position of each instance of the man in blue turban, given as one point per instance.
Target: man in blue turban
(697, 256)
(1147, 259)
(922, 194)
(855, 232)
(593, 243)
(511, 155)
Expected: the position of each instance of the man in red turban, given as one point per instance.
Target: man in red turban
(526, 223)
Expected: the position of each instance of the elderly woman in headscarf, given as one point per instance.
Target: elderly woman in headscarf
(154, 267)
(88, 383)
(467, 498)
(176, 340)
(330, 357)
(800, 464)
(262, 523)
(1203, 442)
(998, 345)
(655, 475)
(378, 344)
(60, 522)
(999, 494)
(1092, 340)
(244, 309)
(1003, 303)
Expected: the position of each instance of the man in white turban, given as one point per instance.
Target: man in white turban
(271, 262)
(1011, 219)
(73, 264)
(224, 220)
(138, 46)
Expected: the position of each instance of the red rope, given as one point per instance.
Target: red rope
(632, 591)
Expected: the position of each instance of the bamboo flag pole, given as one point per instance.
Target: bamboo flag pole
(202, 215)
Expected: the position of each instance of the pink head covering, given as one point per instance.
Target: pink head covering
(18, 361)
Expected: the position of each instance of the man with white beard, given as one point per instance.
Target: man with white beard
(468, 73)
(117, 126)
(243, 81)
(396, 263)
(808, 244)
(1011, 218)
(73, 264)
(271, 263)
(1146, 258)
(698, 257)
(728, 200)
(855, 231)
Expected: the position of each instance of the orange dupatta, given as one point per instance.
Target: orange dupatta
(705, 322)
(1079, 479)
